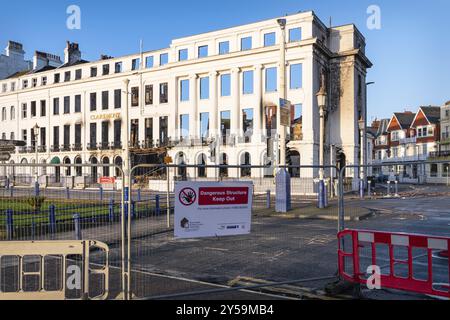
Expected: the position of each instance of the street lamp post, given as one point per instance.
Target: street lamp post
(36, 134)
(321, 101)
(362, 126)
(281, 128)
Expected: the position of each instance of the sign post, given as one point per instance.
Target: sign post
(283, 179)
(212, 209)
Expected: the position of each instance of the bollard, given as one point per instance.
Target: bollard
(101, 193)
(67, 193)
(77, 223)
(36, 189)
(9, 225)
(321, 195)
(369, 189)
(389, 188)
(133, 210)
(139, 198)
(361, 188)
(268, 200)
(396, 188)
(325, 199)
(158, 208)
(52, 218)
(11, 191)
(111, 210)
(7, 183)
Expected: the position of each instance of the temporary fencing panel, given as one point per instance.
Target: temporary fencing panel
(415, 263)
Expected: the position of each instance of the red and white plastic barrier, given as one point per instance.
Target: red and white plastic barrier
(435, 257)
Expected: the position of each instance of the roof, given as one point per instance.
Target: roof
(405, 119)
(17, 74)
(66, 65)
(433, 114)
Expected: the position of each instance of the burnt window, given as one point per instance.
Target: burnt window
(135, 96)
(163, 93)
(149, 94)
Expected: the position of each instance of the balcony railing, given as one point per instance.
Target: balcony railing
(65, 148)
(439, 154)
(104, 145)
(92, 146)
(42, 149)
(55, 148)
(77, 147)
(408, 140)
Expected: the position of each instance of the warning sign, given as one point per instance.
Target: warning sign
(210, 209)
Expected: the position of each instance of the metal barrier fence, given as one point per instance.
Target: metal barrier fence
(162, 266)
(63, 202)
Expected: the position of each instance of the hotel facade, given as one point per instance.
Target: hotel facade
(207, 99)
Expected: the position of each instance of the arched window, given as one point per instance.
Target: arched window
(3, 114)
(106, 168)
(246, 171)
(78, 170)
(68, 169)
(94, 169)
(118, 162)
(223, 172)
(201, 166)
(181, 162)
(55, 161)
(13, 113)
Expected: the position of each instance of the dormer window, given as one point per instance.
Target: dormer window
(44, 81)
(67, 76)
(34, 82)
(25, 84)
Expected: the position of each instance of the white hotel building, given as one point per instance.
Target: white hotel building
(223, 83)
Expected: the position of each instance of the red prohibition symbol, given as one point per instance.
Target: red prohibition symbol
(187, 197)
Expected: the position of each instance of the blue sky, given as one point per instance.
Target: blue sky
(410, 53)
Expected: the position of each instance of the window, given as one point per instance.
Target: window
(269, 39)
(4, 114)
(33, 109)
(78, 74)
(25, 136)
(163, 59)
(4, 87)
(117, 99)
(105, 134)
(56, 137)
(77, 136)
(66, 136)
(224, 47)
(57, 78)
(148, 132)
(246, 43)
(184, 127)
(149, 94)
(43, 108)
(93, 72)
(13, 113)
(149, 62)
(184, 90)
(66, 105)
(25, 84)
(395, 136)
(93, 135)
(55, 106)
(295, 34)
(163, 130)
(182, 54)
(135, 96)
(34, 82)
(93, 101)
(163, 93)
(204, 88)
(297, 123)
(204, 126)
(296, 75)
(13, 86)
(434, 170)
(44, 81)
(105, 69)
(67, 76)
(247, 124)
(202, 51)
(271, 79)
(225, 85)
(445, 170)
(247, 82)
(136, 64)
(77, 103)
(118, 67)
(117, 133)
(24, 111)
(134, 136)
(105, 100)
(225, 120)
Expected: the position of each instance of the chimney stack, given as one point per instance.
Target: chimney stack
(72, 53)
(43, 59)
